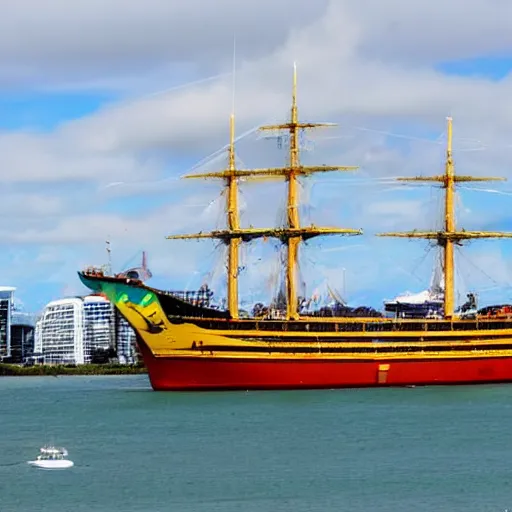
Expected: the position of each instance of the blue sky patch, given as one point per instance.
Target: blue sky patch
(492, 68)
(45, 111)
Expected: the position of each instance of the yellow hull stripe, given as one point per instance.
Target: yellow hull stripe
(336, 357)
(359, 334)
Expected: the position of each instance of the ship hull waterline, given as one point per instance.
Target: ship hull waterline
(201, 374)
(174, 362)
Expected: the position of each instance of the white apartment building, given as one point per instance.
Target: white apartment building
(73, 330)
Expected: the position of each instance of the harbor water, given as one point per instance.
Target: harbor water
(135, 450)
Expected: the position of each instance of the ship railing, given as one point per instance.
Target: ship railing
(201, 297)
(94, 271)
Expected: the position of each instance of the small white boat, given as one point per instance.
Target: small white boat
(52, 458)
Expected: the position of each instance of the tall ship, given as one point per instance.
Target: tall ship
(187, 344)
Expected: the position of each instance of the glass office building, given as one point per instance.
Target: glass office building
(6, 300)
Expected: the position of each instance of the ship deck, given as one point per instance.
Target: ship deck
(349, 325)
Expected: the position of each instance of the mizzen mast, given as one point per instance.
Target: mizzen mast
(293, 233)
(449, 236)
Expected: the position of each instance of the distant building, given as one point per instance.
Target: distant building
(83, 330)
(59, 332)
(38, 342)
(99, 331)
(22, 336)
(6, 300)
(126, 346)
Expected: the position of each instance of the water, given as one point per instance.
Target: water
(387, 450)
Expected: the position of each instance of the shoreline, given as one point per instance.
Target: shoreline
(15, 370)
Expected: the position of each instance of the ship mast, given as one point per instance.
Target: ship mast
(293, 233)
(233, 224)
(292, 174)
(292, 211)
(449, 236)
(292, 207)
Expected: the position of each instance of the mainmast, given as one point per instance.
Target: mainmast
(293, 233)
(233, 224)
(291, 174)
(292, 207)
(449, 236)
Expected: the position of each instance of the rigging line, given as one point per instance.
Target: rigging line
(490, 289)
(241, 136)
(395, 264)
(242, 204)
(208, 159)
(199, 81)
(212, 157)
(215, 256)
(383, 132)
(170, 179)
(466, 150)
(462, 284)
(421, 261)
(438, 141)
(342, 248)
(397, 187)
(240, 164)
(220, 151)
(368, 180)
(490, 190)
(306, 190)
(459, 206)
(439, 210)
(468, 259)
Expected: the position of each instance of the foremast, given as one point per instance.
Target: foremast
(293, 233)
(450, 236)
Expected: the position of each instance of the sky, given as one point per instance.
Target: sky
(105, 104)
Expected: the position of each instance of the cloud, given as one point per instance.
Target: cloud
(335, 81)
(429, 32)
(90, 227)
(31, 205)
(368, 66)
(100, 41)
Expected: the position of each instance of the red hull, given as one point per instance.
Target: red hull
(215, 373)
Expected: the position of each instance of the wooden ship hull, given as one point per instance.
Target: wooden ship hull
(187, 347)
(192, 346)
